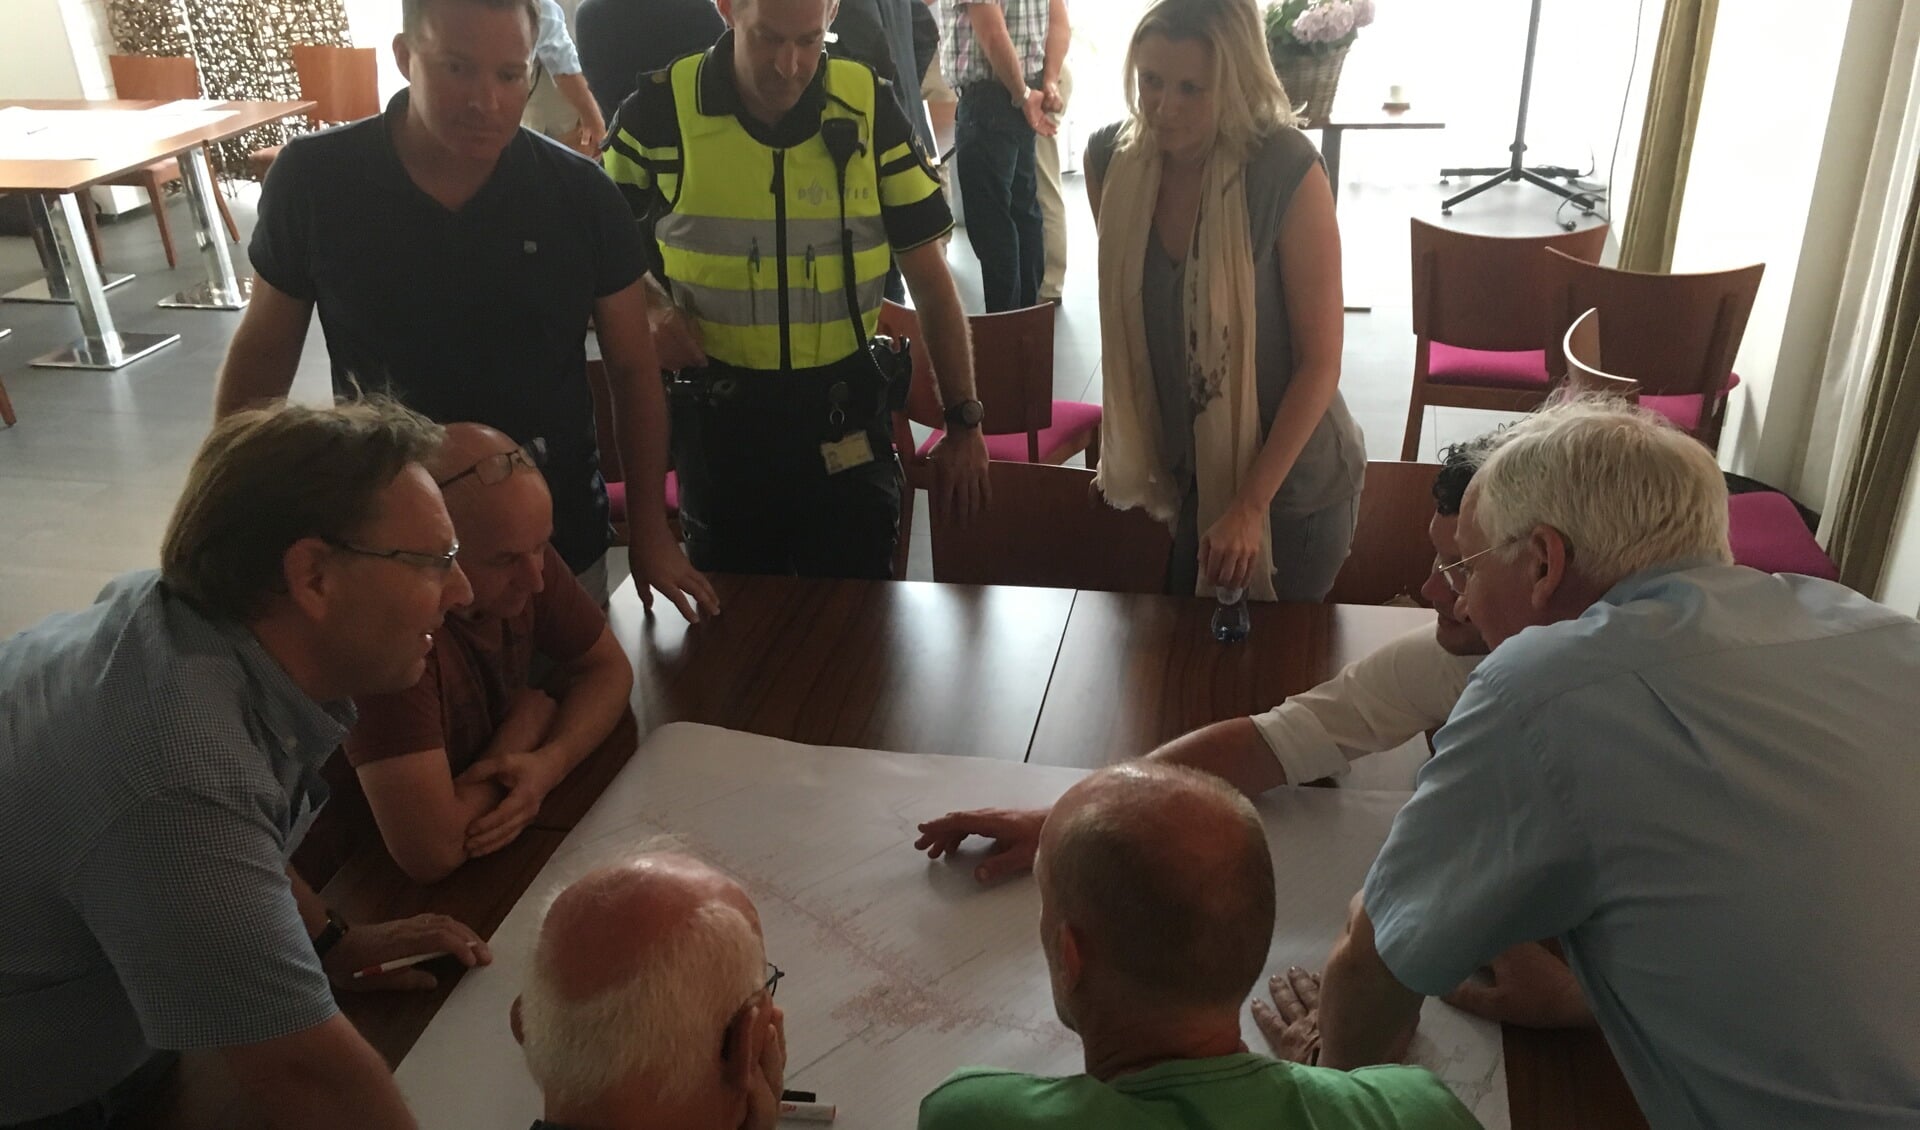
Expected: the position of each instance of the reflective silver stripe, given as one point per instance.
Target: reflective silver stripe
(738, 307)
(716, 235)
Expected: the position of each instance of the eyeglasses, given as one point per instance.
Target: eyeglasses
(438, 562)
(1460, 572)
(498, 467)
(774, 974)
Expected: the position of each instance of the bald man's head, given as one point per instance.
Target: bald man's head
(502, 513)
(638, 969)
(1162, 874)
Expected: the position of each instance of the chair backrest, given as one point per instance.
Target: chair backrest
(1675, 334)
(1046, 529)
(1012, 370)
(1584, 374)
(1488, 291)
(164, 78)
(1391, 555)
(343, 83)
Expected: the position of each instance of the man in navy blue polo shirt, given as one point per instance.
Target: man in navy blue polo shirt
(455, 260)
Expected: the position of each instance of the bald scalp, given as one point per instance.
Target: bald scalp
(637, 970)
(1165, 874)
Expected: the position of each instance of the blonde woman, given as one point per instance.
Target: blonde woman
(1220, 313)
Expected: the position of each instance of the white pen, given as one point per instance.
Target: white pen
(808, 1112)
(396, 963)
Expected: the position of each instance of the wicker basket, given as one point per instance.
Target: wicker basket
(1310, 79)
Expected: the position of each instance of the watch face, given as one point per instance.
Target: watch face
(971, 413)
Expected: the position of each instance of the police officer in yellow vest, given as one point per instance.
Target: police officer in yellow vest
(777, 186)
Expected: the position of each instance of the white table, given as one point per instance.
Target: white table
(899, 970)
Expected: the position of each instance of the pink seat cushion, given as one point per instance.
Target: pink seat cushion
(1682, 412)
(1768, 534)
(1073, 424)
(1452, 365)
(617, 496)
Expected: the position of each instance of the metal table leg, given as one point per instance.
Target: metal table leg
(54, 286)
(222, 290)
(100, 346)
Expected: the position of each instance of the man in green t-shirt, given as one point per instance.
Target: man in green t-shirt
(1156, 912)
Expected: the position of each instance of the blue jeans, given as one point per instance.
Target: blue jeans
(999, 189)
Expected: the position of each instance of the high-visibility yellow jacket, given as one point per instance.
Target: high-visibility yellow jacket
(748, 232)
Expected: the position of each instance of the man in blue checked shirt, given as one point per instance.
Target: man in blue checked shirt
(160, 757)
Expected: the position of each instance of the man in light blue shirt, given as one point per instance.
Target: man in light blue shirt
(562, 107)
(1701, 778)
(159, 763)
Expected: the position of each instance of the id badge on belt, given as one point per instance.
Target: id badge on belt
(851, 450)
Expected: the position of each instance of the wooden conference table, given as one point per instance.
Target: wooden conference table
(1046, 676)
(54, 178)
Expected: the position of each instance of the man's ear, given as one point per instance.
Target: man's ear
(513, 1022)
(740, 1050)
(725, 8)
(1548, 559)
(304, 568)
(1072, 952)
(403, 55)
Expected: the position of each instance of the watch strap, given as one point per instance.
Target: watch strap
(330, 935)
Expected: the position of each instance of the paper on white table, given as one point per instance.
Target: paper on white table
(30, 134)
(899, 970)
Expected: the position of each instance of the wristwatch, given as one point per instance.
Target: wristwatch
(330, 935)
(964, 415)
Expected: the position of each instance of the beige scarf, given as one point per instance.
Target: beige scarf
(1220, 320)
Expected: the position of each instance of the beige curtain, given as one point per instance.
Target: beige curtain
(1666, 135)
(1889, 428)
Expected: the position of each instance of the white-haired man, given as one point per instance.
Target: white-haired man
(650, 1003)
(1692, 773)
(1156, 914)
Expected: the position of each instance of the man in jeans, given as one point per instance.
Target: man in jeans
(1004, 58)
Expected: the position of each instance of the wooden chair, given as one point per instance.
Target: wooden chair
(343, 83)
(1013, 375)
(1392, 555)
(1480, 320)
(161, 78)
(1675, 334)
(1045, 529)
(1580, 347)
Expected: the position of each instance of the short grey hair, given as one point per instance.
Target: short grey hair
(1179, 928)
(664, 1019)
(1626, 489)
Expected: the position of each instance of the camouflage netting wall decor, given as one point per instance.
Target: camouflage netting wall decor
(244, 48)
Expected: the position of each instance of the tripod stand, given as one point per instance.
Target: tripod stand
(1517, 170)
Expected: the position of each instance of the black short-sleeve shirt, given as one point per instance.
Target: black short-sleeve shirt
(479, 314)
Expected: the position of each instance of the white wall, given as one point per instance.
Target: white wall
(36, 58)
(1764, 120)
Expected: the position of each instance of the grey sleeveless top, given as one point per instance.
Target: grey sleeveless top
(1333, 463)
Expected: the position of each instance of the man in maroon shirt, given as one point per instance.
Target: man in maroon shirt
(455, 766)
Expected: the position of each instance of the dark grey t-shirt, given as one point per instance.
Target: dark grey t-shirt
(1333, 463)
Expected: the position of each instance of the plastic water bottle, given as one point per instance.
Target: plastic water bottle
(1231, 621)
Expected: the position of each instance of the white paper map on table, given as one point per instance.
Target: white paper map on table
(899, 969)
(28, 134)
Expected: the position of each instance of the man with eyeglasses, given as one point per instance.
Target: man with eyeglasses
(457, 764)
(1698, 776)
(650, 1003)
(456, 260)
(160, 757)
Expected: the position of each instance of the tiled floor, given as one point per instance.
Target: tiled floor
(89, 474)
